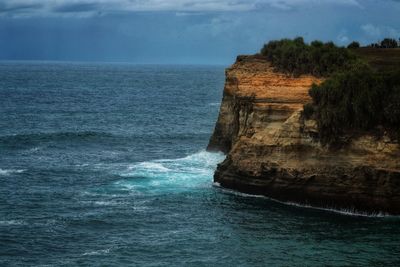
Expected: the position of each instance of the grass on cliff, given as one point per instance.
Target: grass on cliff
(361, 91)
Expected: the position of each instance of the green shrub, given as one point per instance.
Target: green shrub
(392, 108)
(356, 100)
(295, 57)
(308, 110)
(354, 45)
(386, 43)
(389, 43)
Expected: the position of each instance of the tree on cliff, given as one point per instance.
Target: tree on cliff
(386, 43)
(356, 100)
(295, 57)
(389, 43)
(353, 45)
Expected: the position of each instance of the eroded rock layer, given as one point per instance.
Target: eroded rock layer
(271, 149)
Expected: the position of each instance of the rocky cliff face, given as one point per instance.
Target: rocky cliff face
(271, 149)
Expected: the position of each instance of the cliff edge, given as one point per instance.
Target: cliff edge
(272, 150)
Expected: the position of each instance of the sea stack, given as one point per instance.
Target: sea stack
(272, 150)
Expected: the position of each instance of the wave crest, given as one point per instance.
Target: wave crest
(6, 172)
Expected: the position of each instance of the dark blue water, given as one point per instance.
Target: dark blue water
(104, 164)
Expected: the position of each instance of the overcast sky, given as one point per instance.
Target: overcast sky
(182, 31)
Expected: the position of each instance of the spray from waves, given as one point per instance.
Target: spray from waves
(215, 104)
(6, 172)
(174, 175)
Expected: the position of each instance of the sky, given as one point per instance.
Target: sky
(182, 31)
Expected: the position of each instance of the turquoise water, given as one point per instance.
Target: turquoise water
(104, 165)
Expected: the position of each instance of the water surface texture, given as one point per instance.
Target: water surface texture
(104, 164)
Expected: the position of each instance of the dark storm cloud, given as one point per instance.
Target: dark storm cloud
(8, 7)
(77, 7)
(53, 7)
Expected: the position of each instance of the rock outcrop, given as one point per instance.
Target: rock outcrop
(272, 150)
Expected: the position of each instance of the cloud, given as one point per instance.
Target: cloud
(377, 31)
(71, 7)
(343, 38)
(10, 7)
(289, 4)
(371, 30)
(77, 7)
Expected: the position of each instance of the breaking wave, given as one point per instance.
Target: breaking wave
(195, 170)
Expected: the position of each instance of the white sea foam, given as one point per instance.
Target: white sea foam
(218, 185)
(97, 194)
(107, 203)
(12, 222)
(153, 166)
(104, 203)
(110, 203)
(34, 149)
(214, 104)
(171, 174)
(97, 252)
(125, 185)
(5, 172)
(348, 212)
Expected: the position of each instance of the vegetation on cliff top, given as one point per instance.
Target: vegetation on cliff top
(386, 43)
(357, 100)
(361, 91)
(295, 57)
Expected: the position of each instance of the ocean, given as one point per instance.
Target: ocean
(104, 164)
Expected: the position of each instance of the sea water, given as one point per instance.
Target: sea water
(105, 165)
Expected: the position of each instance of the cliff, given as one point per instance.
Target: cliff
(272, 150)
